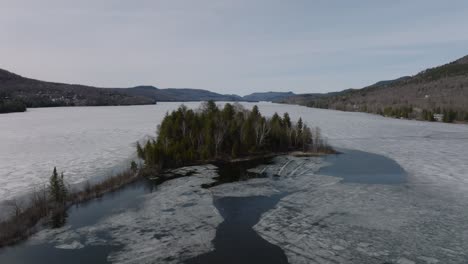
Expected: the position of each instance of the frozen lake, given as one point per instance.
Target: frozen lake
(87, 142)
(327, 216)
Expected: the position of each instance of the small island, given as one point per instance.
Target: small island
(187, 137)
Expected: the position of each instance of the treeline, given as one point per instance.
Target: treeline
(448, 115)
(186, 136)
(398, 112)
(10, 106)
(408, 112)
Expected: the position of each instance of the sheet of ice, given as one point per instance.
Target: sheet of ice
(323, 220)
(83, 142)
(320, 220)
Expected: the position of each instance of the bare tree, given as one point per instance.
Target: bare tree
(16, 207)
(262, 129)
(219, 134)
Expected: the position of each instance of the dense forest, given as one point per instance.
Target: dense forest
(10, 106)
(186, 136)
(18, 93)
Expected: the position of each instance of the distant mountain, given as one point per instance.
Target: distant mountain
(439, 90)
(17, 93)
(177, 94)
(268, 96)
(35, 93)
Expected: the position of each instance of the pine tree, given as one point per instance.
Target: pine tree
(54, 186)
(299, 126)
(57, 189)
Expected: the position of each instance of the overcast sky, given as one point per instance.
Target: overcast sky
(237, 46)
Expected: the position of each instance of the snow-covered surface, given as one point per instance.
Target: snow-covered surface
(83, 142)
(323, 220)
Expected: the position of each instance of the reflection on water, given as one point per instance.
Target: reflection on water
(363, 167)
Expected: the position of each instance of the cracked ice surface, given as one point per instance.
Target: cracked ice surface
(325, 221)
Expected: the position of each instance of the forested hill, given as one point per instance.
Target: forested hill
(268, 96)
(440, 90)
(15, 89)
(177, 94)
(17, 93)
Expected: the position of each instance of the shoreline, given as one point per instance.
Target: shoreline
(40, 211)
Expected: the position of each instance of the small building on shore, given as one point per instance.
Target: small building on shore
(439, 117)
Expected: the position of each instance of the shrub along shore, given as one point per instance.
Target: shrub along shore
(185, 137)
(48, 206)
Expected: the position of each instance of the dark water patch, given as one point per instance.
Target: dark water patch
(91, 212)
(237, 171)
(236, 241)
(363, 167)
(170, 175)
(47, 253)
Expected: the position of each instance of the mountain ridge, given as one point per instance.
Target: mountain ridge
(268, 96)
(18, 92)
(438, 90)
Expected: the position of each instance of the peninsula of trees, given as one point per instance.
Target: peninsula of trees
(210, 133)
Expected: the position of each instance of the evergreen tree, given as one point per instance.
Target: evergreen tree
(54, 187)
(57, 188)
(287, 120)
(133, 166)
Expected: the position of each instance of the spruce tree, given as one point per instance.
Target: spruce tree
(57, 189)
(54, 186)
